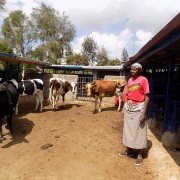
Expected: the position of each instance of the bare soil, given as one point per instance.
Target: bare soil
(75, 143)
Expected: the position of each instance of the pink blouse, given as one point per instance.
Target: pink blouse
(137, 88)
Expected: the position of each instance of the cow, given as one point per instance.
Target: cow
(9, 96)
(32, 87)
(54, 91)
(105, 88)
(57, 87)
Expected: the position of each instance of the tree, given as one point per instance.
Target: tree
(114, 62)
(124, 55)
(102, 57)
(18, 31)
(89, 48)
(5, 47)
(2, 5)
(77, 59)
(53, 31)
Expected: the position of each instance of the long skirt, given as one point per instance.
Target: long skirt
(135, 131)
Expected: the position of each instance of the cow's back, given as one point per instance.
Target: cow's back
(38, 83)
(104, 88)
(30, 87)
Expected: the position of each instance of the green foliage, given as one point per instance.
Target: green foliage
(54, 33)
(114, 62)
(102, 57)
(124, 55)
(89, 49)
(76, 59)
(5, 47)
(2, 5)
(18, 31)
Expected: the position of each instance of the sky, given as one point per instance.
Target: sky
(113, 24)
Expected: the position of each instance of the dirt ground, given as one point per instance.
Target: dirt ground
(73, 143)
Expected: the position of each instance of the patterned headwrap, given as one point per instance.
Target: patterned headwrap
(137, 65)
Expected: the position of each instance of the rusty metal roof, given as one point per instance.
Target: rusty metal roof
(13, 58)
(164, 46)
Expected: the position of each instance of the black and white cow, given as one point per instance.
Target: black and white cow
(9, 96)
(32, 87)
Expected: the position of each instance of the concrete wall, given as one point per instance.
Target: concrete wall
(70, 78)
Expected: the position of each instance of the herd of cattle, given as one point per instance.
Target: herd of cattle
(11, 90)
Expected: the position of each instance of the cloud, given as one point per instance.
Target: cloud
(113, 24)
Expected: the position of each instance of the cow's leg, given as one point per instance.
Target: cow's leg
(100, 101)
(120, 101)
(56, 101)
(41, 101)
(16, 109)
(9, 122)
(37, 101)
(53, 102)
(50, 96)
(96, 101)
(63, 99)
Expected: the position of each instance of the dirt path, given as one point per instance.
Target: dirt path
(73, 143)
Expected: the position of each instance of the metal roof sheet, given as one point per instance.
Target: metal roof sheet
(14, 58)
(79, 68)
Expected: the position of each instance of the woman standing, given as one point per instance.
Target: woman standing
(134, 112)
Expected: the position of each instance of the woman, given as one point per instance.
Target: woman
(134, 112)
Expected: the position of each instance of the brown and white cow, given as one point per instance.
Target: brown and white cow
(105, 88)
(54, 91)
(57, 87)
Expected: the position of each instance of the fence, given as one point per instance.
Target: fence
(81, 93)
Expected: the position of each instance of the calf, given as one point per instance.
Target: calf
(8, 100)
(32, 87)
(105, 88)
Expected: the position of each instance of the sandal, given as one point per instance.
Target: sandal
(125, 153)
(138, 161)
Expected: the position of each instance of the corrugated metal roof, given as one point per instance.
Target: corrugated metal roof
(73, 67)
(13, 58)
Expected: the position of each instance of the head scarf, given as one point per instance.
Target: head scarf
(137, 66)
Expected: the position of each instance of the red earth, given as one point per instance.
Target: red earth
(75, 143)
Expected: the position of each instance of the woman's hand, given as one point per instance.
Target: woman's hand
(142, 117)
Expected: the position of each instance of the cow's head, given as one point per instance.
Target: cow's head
(67, 86)
(121, 84)
(89, 88)
(74, 85)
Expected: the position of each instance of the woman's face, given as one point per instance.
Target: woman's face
(134, 71)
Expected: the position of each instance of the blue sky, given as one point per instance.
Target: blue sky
(113, 24)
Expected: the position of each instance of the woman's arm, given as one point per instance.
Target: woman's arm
(146, 102)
